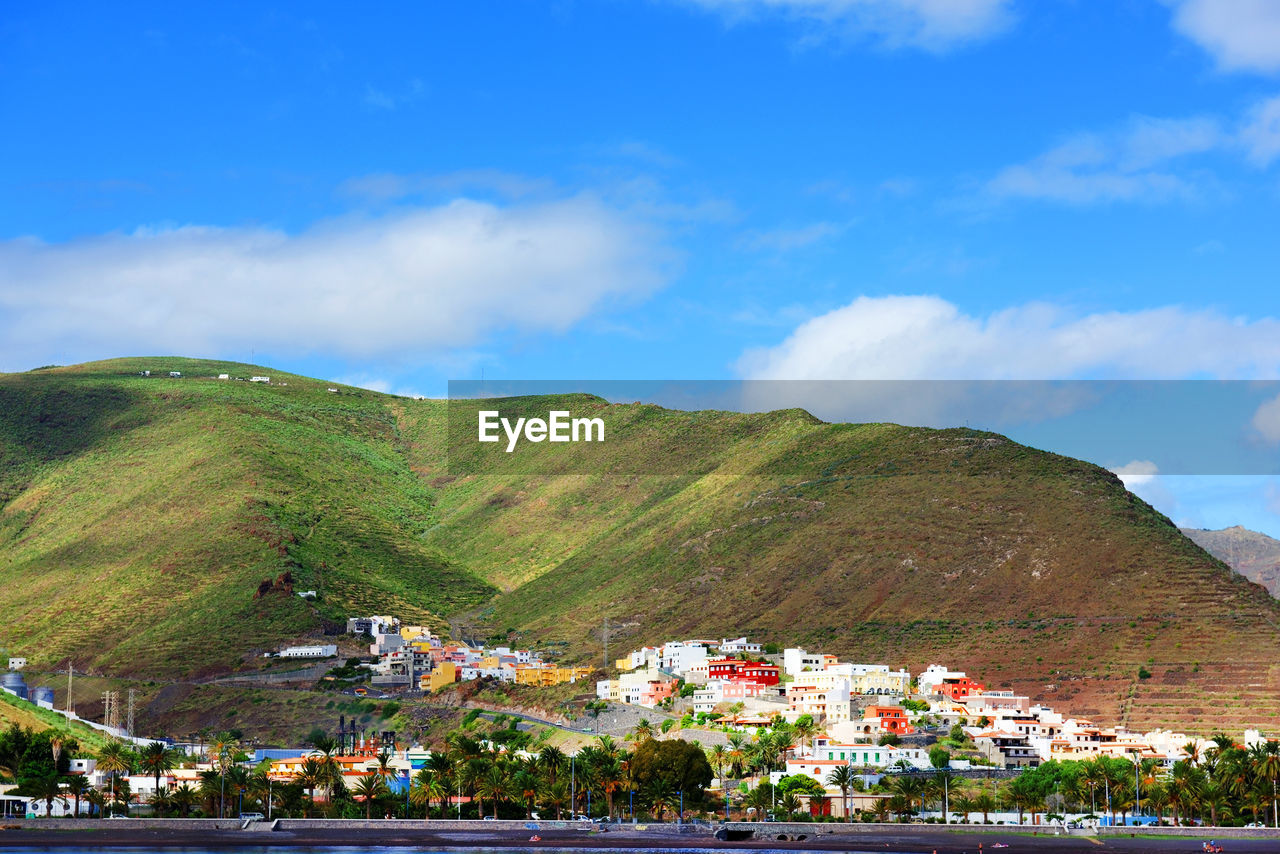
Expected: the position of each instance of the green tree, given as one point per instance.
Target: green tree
(939, 756)
(681, 766)
(843, 778)
(47, 788)
(155, 759)
(369, 788)
(77, 787)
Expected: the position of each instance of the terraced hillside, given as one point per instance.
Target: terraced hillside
(140, 516)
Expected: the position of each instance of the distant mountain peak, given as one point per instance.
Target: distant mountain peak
(1253, 554)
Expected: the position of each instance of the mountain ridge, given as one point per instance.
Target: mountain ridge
(138, 517)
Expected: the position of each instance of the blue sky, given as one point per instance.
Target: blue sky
(780, 189)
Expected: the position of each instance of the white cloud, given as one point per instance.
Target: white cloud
(1137, 473)
(1266, 420)
(926, 337)
(409, 285)
(934, 25)
(788, 239)
(1242, 35)
(380, 99)
(380, 385)
(1260, 134)
(1128, 165)
(391, 186)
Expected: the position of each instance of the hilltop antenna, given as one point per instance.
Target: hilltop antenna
(133, 697)
(606, 643)
(71, 705)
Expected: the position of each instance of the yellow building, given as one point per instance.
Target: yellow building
(547, 675)
(445, 673)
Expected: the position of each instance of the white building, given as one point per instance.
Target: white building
(739, 645)
(259, 379)
(682, 656)
(823, 695)
(934, 675)
(376, 625)
(719, 691)
(320, 651)
(17, 663)
(796, 661)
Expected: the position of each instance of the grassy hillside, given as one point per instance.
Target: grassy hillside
(140, 515)
(28, 715)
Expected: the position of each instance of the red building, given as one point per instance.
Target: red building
(958, 689)
(737, 670)
(890, 718)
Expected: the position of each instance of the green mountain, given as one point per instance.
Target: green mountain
(141, 515)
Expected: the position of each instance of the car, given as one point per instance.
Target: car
(252, 816)
(582, 818)
(489, 818)
(117, 815)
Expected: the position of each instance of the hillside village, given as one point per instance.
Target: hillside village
(839, 736)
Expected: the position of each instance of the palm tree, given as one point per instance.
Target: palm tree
(115, 758)
(369, 788)
(643, 730)
(77, 787)
(985, 803)
(612, 777)
(737, 754)
(97, 801)
(122, 795)
(1185, 784)
(910, 789)
(760, 798)
(842, 777)
(494, 785)
(260, 789)
(184, 797)
(1156, 798)
(790, 803)
(1267, 762)
(805, 728)
(155, 759)
(527, 784)
(161, 800)
(428, 785)
(311, 775)
(661, 797)
(47, 788)
(962, 805)
(718, 756)
(1214, 796)
(441, 768)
